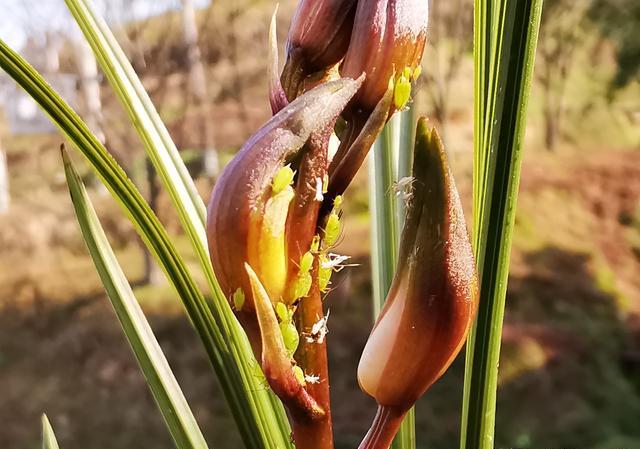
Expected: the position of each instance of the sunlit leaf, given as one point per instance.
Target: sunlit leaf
(155, 368)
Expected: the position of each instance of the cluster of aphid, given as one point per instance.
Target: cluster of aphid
(275, 217)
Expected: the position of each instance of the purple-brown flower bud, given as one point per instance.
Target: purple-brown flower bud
(261, 226)
(248, 199)
(432, 301)
(318, 39)
(388, 39)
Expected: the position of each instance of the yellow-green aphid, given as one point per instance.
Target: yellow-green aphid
(402, 89)
(282, 179)
(302, 285)
(238, 299)
(324, 272)
(325, 183)
(416, 73)
(288, 330)
(257, 372)
(302, 282)
(282, 312)
(332, 228)
(315, 244)
(297, 371)
(306, 261)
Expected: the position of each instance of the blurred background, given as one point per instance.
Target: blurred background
(570, 366)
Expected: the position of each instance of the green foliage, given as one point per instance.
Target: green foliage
(505, 39)
(619, 20)
(259, 415)
(163, 384)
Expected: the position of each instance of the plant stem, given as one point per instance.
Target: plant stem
(312, 357)
(385, 426)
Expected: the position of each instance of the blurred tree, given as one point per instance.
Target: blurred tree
(197, 88)
(90, 86)
(4, 182)
(450, 37)
(562, 30)
(620, 20)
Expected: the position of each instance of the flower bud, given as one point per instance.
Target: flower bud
(433, 298)
(318, 39)
(250, 203)
(387, 40)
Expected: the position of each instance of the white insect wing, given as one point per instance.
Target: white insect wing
(403, 188)
(319, 195)
(319, 330)
(335, 262)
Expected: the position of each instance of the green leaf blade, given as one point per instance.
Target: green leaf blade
(259, 415)
(48, 437)
(506, 36)
(162, 383)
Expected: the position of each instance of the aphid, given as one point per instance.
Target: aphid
(403, 188)
(401, 91)
(319, 330)
(334, 261)
(300, 377)
(238, 299)
(282, 179)
(306, 261)
(324, 272)
(332, 230)
(312, 379)
(288, 330)
(301, 285)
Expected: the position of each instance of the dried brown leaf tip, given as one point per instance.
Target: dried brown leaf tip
(432, 301)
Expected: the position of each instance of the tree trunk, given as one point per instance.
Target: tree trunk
(90, 87)
(197, 88)
(550, 131)
(4, 183)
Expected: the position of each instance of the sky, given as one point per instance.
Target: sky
(22, 18)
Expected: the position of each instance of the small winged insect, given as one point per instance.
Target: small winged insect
(311, 379)
(335, 262)
(403, 188)
(319, 330)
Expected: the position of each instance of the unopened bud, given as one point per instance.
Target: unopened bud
(388, 36)
(318, 39)
(432, 301)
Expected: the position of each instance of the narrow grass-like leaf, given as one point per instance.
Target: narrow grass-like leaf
(165, 389)
(390, 161)
(167, 161)
(384, 234)
(48, 437)
(254, 408)
(154, 135)
(506, 33)
(152, 131)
